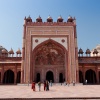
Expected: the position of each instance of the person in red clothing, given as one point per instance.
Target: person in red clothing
(33, 86)
(44, 85)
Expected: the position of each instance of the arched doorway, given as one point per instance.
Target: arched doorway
(8, 77)
(99, 76)
(18, 77)
(90, 76)
(60, 77)
(80, 77)
(49, 76)
(38, 77)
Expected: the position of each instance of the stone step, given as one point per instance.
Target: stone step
(71, 98)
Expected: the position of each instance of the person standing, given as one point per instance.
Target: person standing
(33, 86)
(73, 83)
(39, 85)
(47, 85)
(85, 81)
(44, 85)
(50, 82)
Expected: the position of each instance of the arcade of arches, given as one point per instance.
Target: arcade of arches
(9, 77)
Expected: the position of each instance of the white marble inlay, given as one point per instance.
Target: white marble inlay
(42, 39)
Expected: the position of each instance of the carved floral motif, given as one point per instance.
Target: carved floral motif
(49, 54)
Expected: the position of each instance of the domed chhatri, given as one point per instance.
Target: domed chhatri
(70, 19)
(18, 51)
(60, 19)
(11, 51)
(29, 19)
(88, 51)
(80, 51)
(95, 51)
(4, 51)
(39, 19)
(49, 19)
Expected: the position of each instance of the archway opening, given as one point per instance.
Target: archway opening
(38, 77)
(60, 77)
(80, 77)
(49, 76)
(90, 76)
(8, 77)
(18, 77)
(46, 54)
(99, 76)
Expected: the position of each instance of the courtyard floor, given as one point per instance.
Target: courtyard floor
(56, 91)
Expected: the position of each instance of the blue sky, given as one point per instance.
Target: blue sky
(12, 13)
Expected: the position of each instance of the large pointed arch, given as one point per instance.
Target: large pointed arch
(56, 48)
(8, 77)
(90, 76)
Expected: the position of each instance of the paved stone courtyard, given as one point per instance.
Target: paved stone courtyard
(56, 91)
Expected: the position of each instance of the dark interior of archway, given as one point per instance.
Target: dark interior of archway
(8, 77)
(90, 76)
(99, 76)
(80, 77)
(18, 77)
(60, 77)
(38, 77)
(49, 76)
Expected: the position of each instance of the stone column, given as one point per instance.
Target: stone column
(83, 74)
(2, 74)
(97, 74)
(15, 72)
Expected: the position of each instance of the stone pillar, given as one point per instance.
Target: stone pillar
(15, 72)
(83, 74)
(23, 55)
(2, 74)
(97, 74)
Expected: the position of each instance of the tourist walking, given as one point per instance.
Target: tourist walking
(50, 82)
(47, 85)
(73, 83)
(39, 85)
(33, 86)
(44, 85)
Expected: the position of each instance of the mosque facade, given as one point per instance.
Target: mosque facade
(49, 52)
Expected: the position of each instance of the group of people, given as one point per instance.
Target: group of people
(46, 85)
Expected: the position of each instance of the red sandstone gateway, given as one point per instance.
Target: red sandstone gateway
(49, 52)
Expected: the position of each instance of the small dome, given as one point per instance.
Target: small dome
(70, 19)
(18, 51)
(49, 19)
(29, 19)
(2, 48)
(4, 51)
(60, 19)
(88, 51)
(80, 51)
(39, 19)
(11, 51)
(95, 51)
